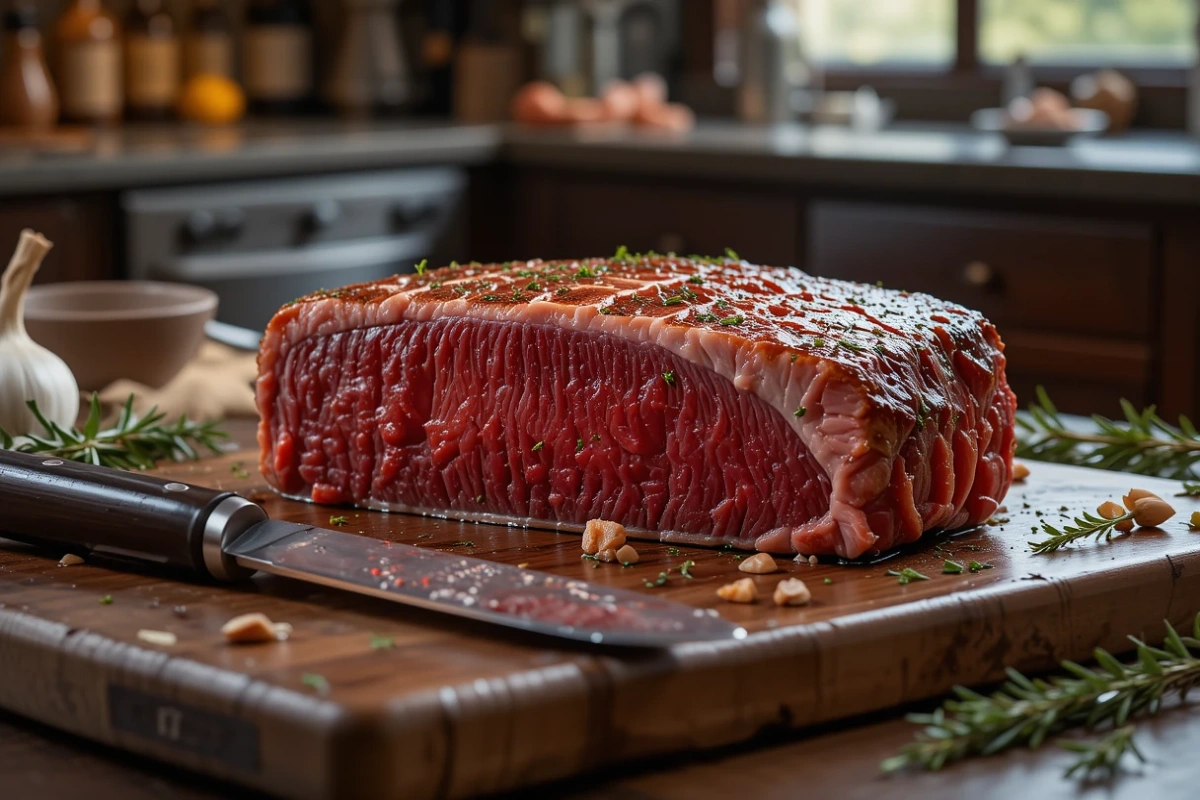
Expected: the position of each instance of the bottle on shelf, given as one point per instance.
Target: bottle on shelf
(152, 77)
(277, 55)
(27, 95)
(208, 46)
(773, 63)
(1018, 80)
(87, 41)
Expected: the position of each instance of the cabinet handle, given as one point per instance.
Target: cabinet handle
(671, 243)
(980, 275)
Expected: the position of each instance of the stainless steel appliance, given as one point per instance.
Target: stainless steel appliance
(371, 69)
(260, 244)
(590, 42)
(774, 69)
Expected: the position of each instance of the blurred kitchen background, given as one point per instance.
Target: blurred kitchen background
(1034, 159)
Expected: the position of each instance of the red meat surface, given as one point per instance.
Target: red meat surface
(693, 400)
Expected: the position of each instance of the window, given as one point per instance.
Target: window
(865, 33)
(1092, 32)
(936, 34)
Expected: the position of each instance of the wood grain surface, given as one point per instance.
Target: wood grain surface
(454, 708)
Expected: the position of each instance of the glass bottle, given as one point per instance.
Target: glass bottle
(88, 43)
(208, 46)
(277, 55)
(152, 78)
(27, 95)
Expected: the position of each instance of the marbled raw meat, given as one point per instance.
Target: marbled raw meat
(702, 401)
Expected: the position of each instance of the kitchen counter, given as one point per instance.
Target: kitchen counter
(1145, 167)
(1154, 167)
(135, 155)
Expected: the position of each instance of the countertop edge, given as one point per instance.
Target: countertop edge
(789, 158)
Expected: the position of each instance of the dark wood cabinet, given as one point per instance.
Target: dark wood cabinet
(1179, 318)
(82, 230)
(576, 215)
(1038, 272)
(1073, 298)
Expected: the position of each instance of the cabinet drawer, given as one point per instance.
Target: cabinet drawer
(597, 216)
(1036, 273)
(1082, 375)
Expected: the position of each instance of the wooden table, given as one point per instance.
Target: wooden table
(39, 761)
(834, 761)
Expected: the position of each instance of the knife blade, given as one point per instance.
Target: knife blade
(84, 508)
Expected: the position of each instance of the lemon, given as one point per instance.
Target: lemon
(212, 100)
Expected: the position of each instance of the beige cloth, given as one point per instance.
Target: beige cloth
(217, 383)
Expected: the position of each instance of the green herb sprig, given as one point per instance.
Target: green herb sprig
(906, 575)
(1026, 712)
(1104, 755)
(132, 443)
(1143, 442)
(1085, 526)
(379, 642)
(318, 683)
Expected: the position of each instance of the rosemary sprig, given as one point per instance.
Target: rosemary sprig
(1103, 755)
(1025, 712)
(1143, 443)
(1085, 526)
(132, 443)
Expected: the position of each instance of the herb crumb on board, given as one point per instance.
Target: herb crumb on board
(318, 683)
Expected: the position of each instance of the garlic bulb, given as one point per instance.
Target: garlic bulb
(29, 371)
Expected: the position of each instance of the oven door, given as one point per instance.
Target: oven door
(253, 285)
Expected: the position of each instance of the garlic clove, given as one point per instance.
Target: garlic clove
(28, 371)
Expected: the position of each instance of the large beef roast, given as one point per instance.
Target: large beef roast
(703, 401)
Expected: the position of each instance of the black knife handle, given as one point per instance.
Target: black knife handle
(80, 508)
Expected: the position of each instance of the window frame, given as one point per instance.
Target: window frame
(968, 70)
(951, 93)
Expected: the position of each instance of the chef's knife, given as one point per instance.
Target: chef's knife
(84, 508)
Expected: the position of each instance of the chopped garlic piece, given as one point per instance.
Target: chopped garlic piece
(743, 591)
(792, 592)
(1137, 494)
(759, 564)
(160, 638)
(255, 627)
(600, 535)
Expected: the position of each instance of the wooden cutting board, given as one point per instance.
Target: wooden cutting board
(371, 698)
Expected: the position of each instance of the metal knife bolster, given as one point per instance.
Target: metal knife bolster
(231, 518)
(83, 508)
